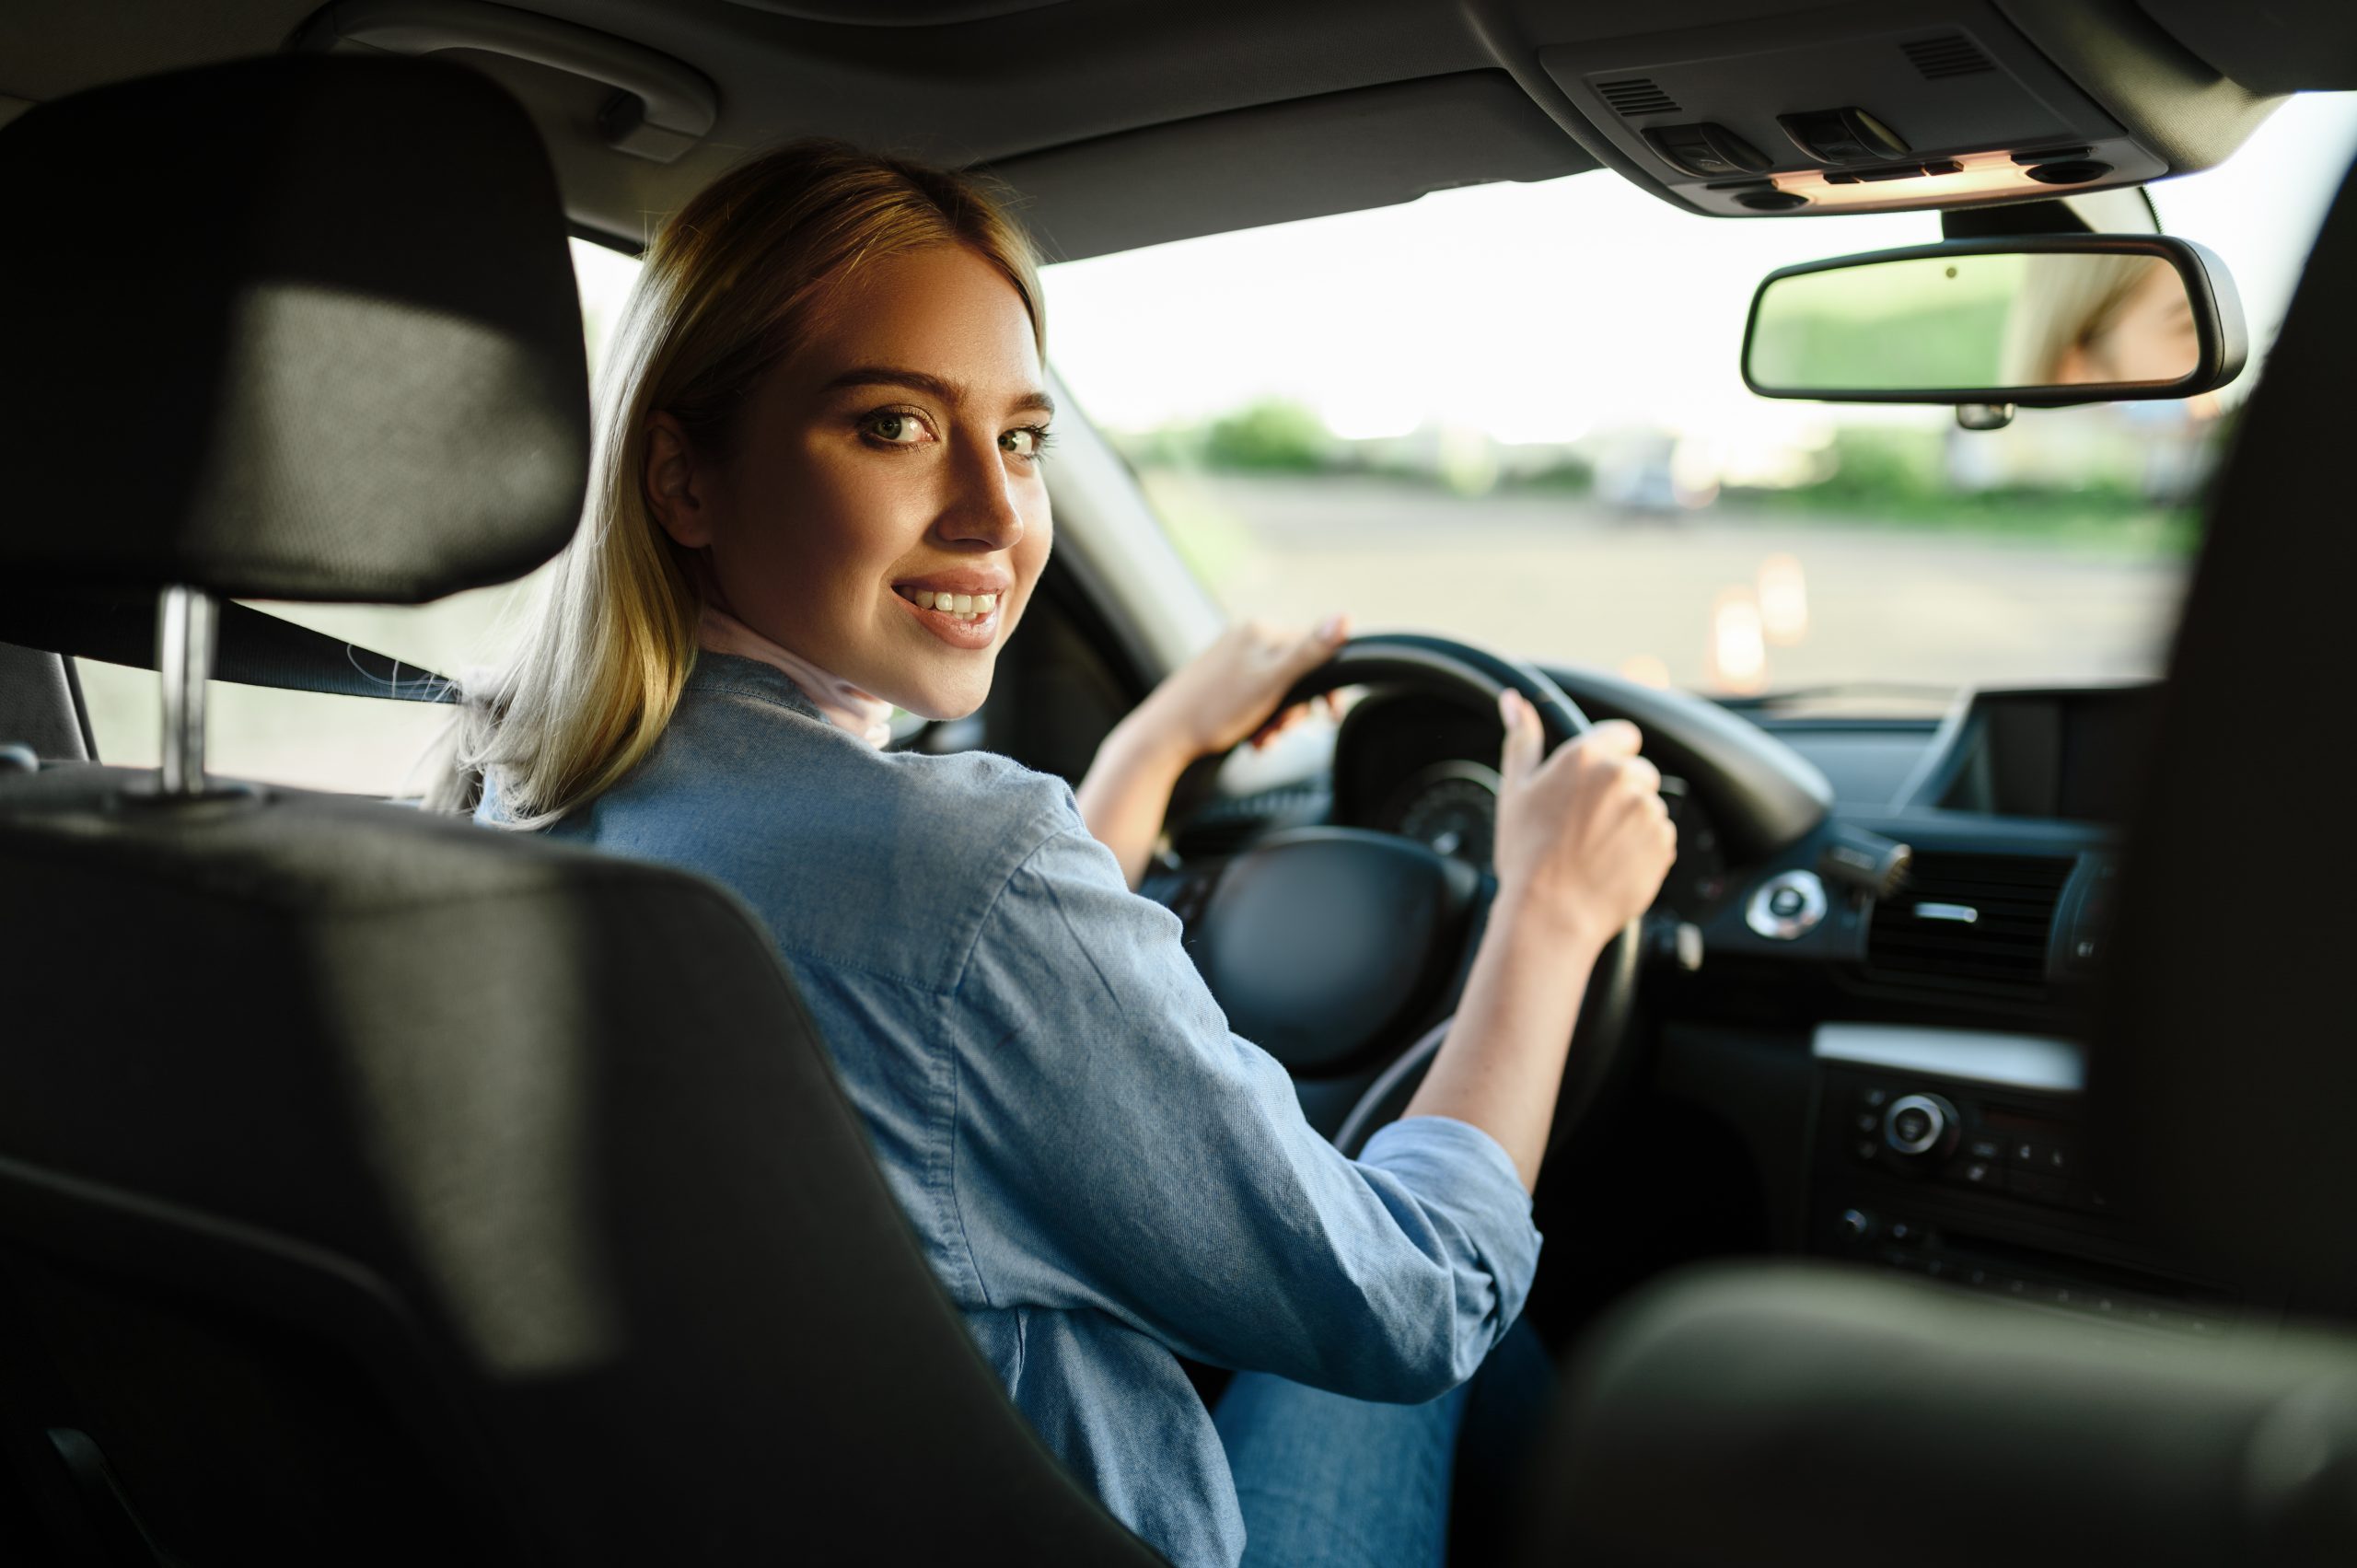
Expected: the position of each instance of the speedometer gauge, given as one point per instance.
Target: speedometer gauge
(1452, 806)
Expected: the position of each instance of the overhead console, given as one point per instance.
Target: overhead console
(1862, 107)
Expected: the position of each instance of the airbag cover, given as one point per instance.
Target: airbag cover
(1323, 943)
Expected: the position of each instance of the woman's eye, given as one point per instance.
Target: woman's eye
(1029, 442)
(896, 429)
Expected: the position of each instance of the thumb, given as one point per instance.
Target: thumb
(1613, 738)
(1319, 645)
(1523, 742)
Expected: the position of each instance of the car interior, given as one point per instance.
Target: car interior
(1954, 1164)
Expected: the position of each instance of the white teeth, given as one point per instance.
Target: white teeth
(959, 607)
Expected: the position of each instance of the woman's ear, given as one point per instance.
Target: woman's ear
(675, 489)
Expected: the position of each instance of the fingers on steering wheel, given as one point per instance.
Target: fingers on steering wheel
(1525, 738)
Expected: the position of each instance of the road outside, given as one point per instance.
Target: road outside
(1718, 599)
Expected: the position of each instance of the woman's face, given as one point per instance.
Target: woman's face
(2150, 338)
(883, 477)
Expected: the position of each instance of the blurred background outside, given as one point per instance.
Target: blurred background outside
(1513, 413)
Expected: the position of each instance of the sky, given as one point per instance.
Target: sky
(1543, 312)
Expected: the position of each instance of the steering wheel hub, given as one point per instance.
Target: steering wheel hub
(1324, 942)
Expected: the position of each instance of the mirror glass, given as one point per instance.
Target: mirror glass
(1935, 324)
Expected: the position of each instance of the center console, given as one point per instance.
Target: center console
(1956, 1155)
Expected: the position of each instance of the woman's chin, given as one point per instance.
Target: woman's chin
(941, 701)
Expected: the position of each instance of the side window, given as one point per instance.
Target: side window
(358, 745)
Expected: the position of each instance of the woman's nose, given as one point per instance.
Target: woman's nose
(981, 505)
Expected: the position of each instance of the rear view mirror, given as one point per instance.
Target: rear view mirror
(2043, 320)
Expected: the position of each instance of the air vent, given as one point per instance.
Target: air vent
(1632, 95)
(1955, 55)
(1969, 923)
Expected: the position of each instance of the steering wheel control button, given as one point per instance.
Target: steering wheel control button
(1920, 1126)
(1787, 906)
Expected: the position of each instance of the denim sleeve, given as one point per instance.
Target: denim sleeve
(1116, 1147)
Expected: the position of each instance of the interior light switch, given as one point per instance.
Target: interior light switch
(1706, 149)
(1842, 136)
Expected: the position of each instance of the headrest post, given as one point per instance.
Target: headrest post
(185, 618)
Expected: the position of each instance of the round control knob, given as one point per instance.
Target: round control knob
(1920, 1126)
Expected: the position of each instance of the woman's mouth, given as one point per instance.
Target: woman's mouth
(964, 606)
(961, 619)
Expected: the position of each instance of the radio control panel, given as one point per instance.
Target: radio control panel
(1894, 1127)
(1985, 1187)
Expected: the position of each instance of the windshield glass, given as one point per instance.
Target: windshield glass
(1513, 413)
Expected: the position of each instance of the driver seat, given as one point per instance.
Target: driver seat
(374, 1189)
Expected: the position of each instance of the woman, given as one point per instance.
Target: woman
(818, 495)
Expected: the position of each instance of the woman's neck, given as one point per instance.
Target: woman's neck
(844, 705)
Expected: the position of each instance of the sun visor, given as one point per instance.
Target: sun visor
(298, 329)
(1307, 158)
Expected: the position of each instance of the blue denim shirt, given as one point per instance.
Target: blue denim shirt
(1099, 1173)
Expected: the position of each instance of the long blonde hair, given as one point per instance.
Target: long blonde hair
(732, 286)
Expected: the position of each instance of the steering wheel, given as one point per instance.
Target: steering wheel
(1343, 951)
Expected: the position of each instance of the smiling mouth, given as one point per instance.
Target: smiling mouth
(957, 607)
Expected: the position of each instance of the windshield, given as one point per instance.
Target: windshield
(1513, 413)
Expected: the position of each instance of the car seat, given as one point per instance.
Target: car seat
(374, 1188)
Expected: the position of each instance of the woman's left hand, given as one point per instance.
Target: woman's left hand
(1228, 693)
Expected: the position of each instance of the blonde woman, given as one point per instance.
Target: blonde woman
(2082, 320)
(818, 494)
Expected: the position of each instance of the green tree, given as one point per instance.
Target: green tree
(1272, 436)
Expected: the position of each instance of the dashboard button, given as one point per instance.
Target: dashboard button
(1792, 920)
(1990, 1149)
(1984, 1173)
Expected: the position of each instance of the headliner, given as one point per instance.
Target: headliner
(1122, 122)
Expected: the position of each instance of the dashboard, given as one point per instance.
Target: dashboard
(1898, 1073)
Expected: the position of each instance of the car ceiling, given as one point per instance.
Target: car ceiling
(1125, 122)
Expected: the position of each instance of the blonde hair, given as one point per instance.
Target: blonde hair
(2068, 299)
(733, 285)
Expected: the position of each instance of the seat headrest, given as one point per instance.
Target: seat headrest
(2223, 1087)
(295, 327)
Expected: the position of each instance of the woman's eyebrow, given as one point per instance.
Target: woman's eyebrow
(1034, 400)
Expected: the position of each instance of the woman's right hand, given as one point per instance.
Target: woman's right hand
(1583, 839)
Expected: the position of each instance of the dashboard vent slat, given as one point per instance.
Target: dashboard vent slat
(1632, 95)
(1952, 55)
(2000, 951)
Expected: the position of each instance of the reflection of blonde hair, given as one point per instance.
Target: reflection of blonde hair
(732, 286)
(2068, 299)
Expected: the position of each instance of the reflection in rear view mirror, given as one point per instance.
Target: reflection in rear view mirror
(2049, 321)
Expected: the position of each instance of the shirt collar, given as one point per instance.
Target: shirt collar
(837, 700)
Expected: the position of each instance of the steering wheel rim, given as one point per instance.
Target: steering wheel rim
(1415, 658)
(1599, 1039)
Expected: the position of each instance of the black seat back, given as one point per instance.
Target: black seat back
(375, 1188)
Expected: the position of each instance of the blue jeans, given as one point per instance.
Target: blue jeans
(1327, 1481)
